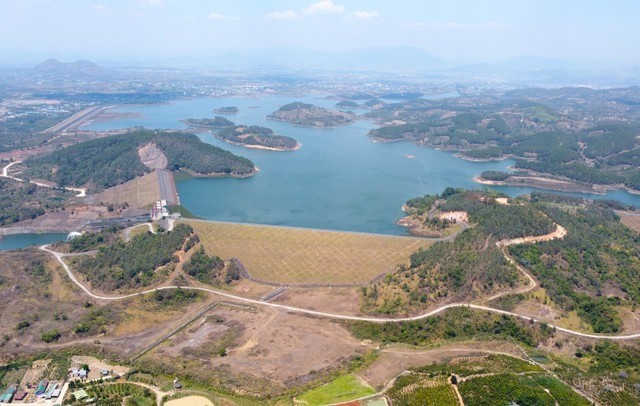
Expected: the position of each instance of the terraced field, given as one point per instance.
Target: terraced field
(299, 256)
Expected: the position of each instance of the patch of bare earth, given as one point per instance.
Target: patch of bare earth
(630, 219)
(152, 157)
(270, 345)
(333, 300)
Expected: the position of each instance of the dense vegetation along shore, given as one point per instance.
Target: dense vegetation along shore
(584, 137)
(252, 136)
(105, 162)
(308, 115)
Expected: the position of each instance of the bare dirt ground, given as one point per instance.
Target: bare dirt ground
(96, 366)
(152, 157)
(190, 401)
(138, 192)
(395, 359)
(273, 346)
(630, 219)
(250, 289)
(72, 218)
(558, 233)
(337, 300)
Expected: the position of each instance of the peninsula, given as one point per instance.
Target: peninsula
(309, 115)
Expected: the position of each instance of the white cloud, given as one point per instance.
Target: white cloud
(324, 6)
(457, 26)
(222, 17)
(365, 15)
(282, 15)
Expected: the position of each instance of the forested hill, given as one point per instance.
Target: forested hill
(106, 162)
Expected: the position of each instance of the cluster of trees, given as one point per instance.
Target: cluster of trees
(304, 114)
(469, 266)
(256, 135)
(597, 255)
(133, 264)
(203, 267)
(216, 122)
(498, 220)
(109, 161)
(24, 201)
(459, 323)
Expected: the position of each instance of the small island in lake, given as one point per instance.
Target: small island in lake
(348, 104)
(308, 115)
(226, 110)
(209, 123)
(252, 136)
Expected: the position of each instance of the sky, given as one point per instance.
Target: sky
(469, 30)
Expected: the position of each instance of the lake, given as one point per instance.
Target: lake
(338, 180)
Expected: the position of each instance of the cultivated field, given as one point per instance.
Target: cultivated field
(304, 256)
(138, 192)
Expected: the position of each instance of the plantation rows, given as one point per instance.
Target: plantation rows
(410, 390)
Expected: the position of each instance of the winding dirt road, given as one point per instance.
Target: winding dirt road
(559, 233)
(5, 174)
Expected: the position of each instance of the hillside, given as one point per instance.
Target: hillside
(471, 266)
(308, 115)
(105, 162)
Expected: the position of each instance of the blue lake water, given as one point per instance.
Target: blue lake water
(17, 241)
(338, 180)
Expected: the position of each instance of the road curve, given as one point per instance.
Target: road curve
(334, 316)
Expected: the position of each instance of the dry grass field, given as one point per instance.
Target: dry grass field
(630, 219)
(304, 256)
(138, 192)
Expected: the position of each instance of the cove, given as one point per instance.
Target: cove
(339, 179)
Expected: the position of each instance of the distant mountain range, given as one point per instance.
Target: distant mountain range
(525, 70)
(55, 67)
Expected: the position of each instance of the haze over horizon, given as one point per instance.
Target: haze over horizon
(463, 31)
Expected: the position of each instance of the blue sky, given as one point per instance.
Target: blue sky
(480, 30)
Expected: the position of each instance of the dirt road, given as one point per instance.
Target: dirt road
(556, 234)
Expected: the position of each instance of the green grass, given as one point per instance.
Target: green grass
(140, 401)
(342, 389)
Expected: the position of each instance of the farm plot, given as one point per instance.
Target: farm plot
(504, 389)
(341, 389)
(411, 390)
(298, 256)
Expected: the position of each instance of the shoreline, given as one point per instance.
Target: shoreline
(262, 147)
(568, 186)
(221, 174)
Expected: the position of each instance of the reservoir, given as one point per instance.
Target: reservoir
(339, 179)
(17, 241)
